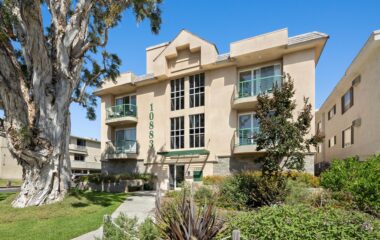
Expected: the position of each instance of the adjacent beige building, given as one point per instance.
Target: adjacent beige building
(192, 114)
(349, 118)
(85, 157)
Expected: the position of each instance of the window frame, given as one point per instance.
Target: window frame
(351, 92)
(334, 141)
(177, 133)
(81, 160)
(200, 134)
(193, 94)
(83, 141)
(177, 94)
(333, 109)
(352, 137)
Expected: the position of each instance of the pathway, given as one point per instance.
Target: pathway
(140, 205)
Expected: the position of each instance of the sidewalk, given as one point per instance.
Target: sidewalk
(140, 205)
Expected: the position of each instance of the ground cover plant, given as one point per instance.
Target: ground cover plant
(77, 214)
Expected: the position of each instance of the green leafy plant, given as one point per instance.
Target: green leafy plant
(148, 230)
(302, 222)
(360, 179)
(181, 219)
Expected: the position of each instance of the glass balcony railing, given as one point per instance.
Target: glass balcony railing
(246, 136)
(122, 146)
(123, 110)
(254, 87)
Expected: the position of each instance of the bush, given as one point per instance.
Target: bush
(204, 195)
(148, 231)
(308, 179)
(100, 177)
(251, 189)
(302, 222)
(360, 179)
(213, 180)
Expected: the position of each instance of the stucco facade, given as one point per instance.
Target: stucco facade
(358, 113)
(185, 115)
(85, 157)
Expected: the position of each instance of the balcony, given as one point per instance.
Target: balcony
(77, 148)
(121, 149)
(244, 141)
(121, 114)
(245, 96)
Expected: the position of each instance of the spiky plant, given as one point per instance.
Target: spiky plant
(181, 219)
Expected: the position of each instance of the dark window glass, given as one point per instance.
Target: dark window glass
(81, 142)
(177, 133)
(197, 130)
(177, 93)
(197, 90)
(348, 100)
(79, 157)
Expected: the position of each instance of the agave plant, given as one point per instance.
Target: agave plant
(181, 219)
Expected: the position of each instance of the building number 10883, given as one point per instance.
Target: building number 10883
(151, 126)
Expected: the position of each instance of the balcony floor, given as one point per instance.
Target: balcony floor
(121, 121)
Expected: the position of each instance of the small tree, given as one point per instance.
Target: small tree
(281, 135)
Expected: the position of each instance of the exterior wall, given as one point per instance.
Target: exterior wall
(183, 57)
(365, 107)
(9, 169)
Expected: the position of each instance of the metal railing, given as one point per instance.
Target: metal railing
(254, 87)
(124, 146)
(78, 147)
(246, 136)
(123, 110)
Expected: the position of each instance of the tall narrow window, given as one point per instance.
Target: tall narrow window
(348, 100)
(332, 142)
(197, 130)
(177, 133)
(197, 90)
(177, 93)
(332, 112)
(347, 137)
(248, 128)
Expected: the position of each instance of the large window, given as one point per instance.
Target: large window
(125, 140)
(332, 141)
(197, 90)
(79, 157)
(348, 137)
(348, 100)
(81, 142)
(248, 127)
(260, 80)
(177, 132)
(177, 93)
(197, 130)
(332, 112)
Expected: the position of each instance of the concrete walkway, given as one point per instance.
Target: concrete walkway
(140, 205)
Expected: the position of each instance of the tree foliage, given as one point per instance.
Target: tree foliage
(282, 135)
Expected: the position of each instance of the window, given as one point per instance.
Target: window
(177, 133)
(129, 100)
(197, 130)
(248, 127)
(332, 142)
(79, 157)
(319, 148)
(347, 137)
(348, 100)
(177, 93)
(197, 90)
(332, 112)
(81, 142)
(125, 140)
(319, 127)
(259, 80)
(125, 106)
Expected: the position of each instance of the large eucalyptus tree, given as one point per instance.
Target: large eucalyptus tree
(44, 69)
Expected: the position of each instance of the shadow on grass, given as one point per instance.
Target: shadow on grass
(4, 196)
(97, 198)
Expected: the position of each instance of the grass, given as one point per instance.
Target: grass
(78, 213)
(15, 182)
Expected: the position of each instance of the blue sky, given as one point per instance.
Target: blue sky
(348, 23)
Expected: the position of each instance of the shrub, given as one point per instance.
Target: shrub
(100, 177)
(302, 222)
(360, 179)
(180, 218)
(204, 195)
(213, 180)
(122, 228)
(148, 230)
(251, 189)
(308, 179)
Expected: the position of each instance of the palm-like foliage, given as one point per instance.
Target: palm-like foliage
(181, 219)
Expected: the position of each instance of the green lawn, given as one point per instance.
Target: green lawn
(77, 214)
(15, 182)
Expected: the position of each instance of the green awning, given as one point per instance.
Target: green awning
(184, 153)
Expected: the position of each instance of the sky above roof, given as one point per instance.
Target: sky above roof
(348, 23)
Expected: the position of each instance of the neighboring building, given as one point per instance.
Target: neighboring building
(349, 118)
(192, 114)
(84, 156)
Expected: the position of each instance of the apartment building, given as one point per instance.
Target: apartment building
(193, 113)
(349, 118)
(84, 153)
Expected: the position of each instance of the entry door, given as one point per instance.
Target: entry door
(176, 176)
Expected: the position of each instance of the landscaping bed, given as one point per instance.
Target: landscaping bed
(80, 212)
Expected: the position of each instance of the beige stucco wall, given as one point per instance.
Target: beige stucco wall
(366, 107)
